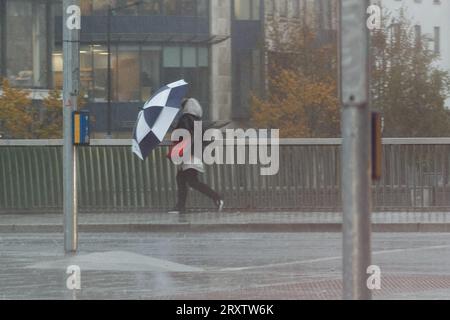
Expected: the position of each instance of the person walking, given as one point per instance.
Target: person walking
(187, 175)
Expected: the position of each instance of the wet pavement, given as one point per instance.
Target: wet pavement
(223, 222)
(217, 266)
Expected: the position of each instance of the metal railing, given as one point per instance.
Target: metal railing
(415, 177)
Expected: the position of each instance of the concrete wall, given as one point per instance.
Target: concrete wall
(220, 20)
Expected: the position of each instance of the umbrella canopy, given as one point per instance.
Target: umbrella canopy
(156, 118)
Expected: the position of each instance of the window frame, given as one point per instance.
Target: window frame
(46, 70)
(254, 10)
(204, 57)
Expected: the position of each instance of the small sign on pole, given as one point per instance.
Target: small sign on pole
(81, 132)
(377, 146)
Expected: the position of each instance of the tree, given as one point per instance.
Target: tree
(406, 84)
(16, 116)
(298, 106)
(50, 126)
(19, 119)
(302, 93)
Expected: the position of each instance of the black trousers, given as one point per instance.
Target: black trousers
(189, 178)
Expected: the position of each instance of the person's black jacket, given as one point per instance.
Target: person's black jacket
(187, 122)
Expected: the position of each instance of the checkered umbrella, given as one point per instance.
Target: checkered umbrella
(156, 117)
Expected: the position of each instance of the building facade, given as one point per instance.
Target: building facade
(151, 44)
(218, 46)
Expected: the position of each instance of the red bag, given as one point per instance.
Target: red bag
(175, 148)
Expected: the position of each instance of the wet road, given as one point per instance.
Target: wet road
(217, 266)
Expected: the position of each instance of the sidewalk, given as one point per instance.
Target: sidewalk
(224, 222)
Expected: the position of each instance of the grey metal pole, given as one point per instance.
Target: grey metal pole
(108, 85)
(355, 159)
(71, 36)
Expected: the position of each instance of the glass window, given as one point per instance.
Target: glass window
(188, 7)
(242, 9)
(57, 68)
(248, 72)
(100, 70)
(202, 88)
(57, 9)
(86, 70)
(202, 8)
(283, 8)
(194, 69)
(243, 72)
(256, 9)
(172, 57)
(86, 7)
(203, 57)
(93, 71)
(100, 7)
(151, 7)
(150, 71)
(170, 7)
(189, 57)
(26, 43)
(247, 9)
(136, 72)
(172, 74)
(147, 7)
(196, 74)
(172, 64)
(128, 74)
(198, 79)
(128, 7)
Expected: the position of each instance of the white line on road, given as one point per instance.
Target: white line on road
(284, 264)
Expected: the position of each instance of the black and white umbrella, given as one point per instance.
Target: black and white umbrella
(156, 117)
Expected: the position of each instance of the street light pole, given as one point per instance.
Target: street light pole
(71, 55)
(356, 148)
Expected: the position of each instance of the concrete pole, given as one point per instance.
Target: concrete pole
(356, 148)
(71, 52)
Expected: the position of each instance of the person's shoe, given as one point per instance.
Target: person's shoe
(219, 205)
(177, 211)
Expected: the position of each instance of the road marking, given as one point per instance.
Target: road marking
(115, 261)
(284, 264)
